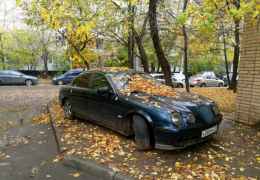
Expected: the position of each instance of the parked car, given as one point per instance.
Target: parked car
(67, 77)
(10, 77)
(206, 79)
(179, 76)
(154, 121)
(176, 82)
(178, 79)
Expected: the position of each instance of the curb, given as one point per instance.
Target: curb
(92, 168)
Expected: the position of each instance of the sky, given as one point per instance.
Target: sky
(10, 15)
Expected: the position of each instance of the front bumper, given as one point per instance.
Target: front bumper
(168, 139)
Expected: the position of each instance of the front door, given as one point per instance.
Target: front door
(106, 108)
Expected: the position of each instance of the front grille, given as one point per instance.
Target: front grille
(203, 113)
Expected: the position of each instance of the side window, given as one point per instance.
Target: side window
(82, 81)
(99, 81)
(76, 73)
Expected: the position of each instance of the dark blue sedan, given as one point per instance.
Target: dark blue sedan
(155, 121)
(67, 77)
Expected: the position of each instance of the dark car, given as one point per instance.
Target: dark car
(67, 77)
(155, 121)
(10, 77)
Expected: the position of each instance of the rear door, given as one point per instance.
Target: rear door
(79, 95)
(16, 77)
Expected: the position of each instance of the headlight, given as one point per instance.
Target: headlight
(215, 109)
(176, 118)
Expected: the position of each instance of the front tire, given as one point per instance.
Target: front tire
(179, 86)
(141, 133)
(28, 82)
(60, 83)
(220, 85)
(67, 107)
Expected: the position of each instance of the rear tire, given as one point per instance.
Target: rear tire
(67, 107)
(141, 133)
(28, 82)
(203, 85)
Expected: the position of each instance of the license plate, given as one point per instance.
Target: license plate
(209, 131)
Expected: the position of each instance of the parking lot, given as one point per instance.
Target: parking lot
(21, 102)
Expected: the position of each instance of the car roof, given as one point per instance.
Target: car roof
(112, 70)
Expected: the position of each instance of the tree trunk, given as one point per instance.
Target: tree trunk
(185, 49)
(157, 43)
(143, 55)
(152, 67)
(2, 53)
(130, 35)
(225, 55)
(45, 57)
(3, 63)
(233, 83)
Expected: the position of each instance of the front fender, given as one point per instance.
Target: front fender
(142, 113)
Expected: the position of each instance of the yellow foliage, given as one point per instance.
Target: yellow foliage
(225, 99)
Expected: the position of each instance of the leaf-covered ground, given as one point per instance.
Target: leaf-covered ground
(234, 154)
(226, 99)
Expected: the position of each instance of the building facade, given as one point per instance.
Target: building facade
(248, 97)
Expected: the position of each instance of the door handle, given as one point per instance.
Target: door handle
(70, 90)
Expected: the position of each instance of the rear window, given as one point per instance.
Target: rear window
(82, 81)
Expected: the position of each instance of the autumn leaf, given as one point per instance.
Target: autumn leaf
(75, 175)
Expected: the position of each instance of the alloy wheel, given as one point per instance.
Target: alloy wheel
(67, 110)
(28, 83)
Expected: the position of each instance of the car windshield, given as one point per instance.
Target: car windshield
(15, 73)
(128, 83)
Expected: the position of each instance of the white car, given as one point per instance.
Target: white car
(176, 82)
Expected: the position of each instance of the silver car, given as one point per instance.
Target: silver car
(206, 79)
(176, 82)
(9, 77)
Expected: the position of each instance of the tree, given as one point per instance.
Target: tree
(185, 49)
(157, 44)
(233, 83)
(75, 21)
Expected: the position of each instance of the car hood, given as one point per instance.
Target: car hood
(201, 107)
(182, 102)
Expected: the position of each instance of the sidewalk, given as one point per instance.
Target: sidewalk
(28, 153)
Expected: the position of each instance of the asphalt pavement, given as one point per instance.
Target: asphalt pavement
(27, 151)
